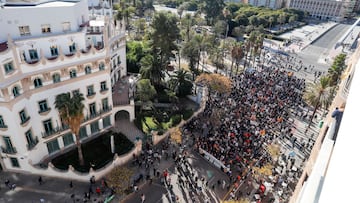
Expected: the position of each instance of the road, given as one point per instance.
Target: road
(316, 52)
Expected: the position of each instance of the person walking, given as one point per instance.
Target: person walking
(40, 180)
(142, 198)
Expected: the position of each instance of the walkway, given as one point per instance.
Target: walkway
(128, 129)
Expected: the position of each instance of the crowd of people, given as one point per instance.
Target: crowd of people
(256, 111)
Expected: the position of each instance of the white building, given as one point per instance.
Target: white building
(48, 48)
(273, 4)
(324, 9)
(331, 174)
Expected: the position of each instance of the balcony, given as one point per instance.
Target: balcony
(104, 89)
(97, 114)
(33, 143)
(8, 150)
(54, 131)
(25, 120)
(91, 94)
(3, 126)
(32, 61)
(43, 111)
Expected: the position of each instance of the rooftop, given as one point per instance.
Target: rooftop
(38, 3)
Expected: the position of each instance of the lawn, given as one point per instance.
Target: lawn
(97, 152)
(150, 122)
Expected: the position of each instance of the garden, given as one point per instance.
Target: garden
(164, 116)
(97, 152)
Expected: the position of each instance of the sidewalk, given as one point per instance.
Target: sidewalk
(51, 189)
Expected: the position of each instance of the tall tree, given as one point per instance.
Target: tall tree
(237, 53)
(181, 83)
(212, 9)
(164, 34)
(71, 113)
(318, 95)
(336, 69)
(215, 82)
(152, 70)
(186, 23)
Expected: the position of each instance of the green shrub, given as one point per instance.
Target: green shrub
(187, 114)
(176, 119)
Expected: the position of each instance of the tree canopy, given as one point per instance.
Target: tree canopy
(215, 82)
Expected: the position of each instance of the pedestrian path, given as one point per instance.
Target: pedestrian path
(128, 129)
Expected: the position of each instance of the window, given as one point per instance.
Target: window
(92, 108)
(56, 78)
(23, 116)
(72, 48)
(30, 140)
(33, 54)
(82, 132)
(43, 107)
(118, 60)
(94, 127)
(87, 70)
(68, 139)
(106, 121)
(54, 51)
(24, 30)
(90, 90)
(8, 67)
(101, 66)
(8, 144)
(105, 104)
(45, 28)
(53, 146)
(37, 83)
(73, 73)
(16, 91)
(14, 162)
(48, 126)
(2, 122)
(103, 86)
(29, 137)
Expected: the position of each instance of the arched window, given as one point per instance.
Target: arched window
(37, 82)
(101, 66)
(56, 78)
(73, 73)
(87, 70)
(16, 91)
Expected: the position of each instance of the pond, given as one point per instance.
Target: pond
(97, 152)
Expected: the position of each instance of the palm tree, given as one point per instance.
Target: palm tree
(337, 69)
(318, 95)
(258, 45)
(271, 21)
(71, 113)
(181, 82)
(237, 53)
(152, 70)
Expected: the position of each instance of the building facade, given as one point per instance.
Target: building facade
(324, 10)
(273, 4)
(48, 48)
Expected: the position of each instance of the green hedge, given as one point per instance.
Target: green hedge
(176, 119)
(187, 114)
